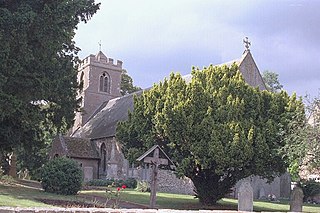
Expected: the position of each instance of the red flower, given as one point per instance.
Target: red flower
(123, 186)
(118, 188)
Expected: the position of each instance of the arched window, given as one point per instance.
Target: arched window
(103, 157)
(105, 83)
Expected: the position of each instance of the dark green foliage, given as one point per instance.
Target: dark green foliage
(216, 128)
(61, 176)
(302, 150)
(129, 183)
(310, 189)
(126, 86)
(38, 72)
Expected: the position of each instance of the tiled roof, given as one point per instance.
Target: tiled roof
(104, 123)
(79, 147)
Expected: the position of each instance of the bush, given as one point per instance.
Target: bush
(310, 189)
(6, 179)
(143, 186)
(130, 183)
(61, 176)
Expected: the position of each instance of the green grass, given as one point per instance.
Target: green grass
(176, 201)
(18, 195)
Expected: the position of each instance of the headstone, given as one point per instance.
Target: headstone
(285, 185)
(262, 194)
(88, 173)
(245, 197)
(296, 200)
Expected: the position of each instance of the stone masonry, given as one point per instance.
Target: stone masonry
(90, 70)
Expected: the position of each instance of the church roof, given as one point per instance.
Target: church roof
(104, 122)
(77, 147)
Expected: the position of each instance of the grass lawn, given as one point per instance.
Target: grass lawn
(21, 195)
(176, 201)
(17, 195)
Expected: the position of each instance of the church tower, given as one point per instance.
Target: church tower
(101, 79)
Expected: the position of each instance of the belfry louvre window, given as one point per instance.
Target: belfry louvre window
(105, 83)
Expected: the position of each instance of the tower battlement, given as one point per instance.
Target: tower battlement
(101, 60)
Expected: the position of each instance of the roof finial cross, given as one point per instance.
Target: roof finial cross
(99, 45)
(247, 43)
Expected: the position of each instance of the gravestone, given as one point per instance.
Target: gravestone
(245, 197)
(262, 194)
(296, 200)
(88, 173)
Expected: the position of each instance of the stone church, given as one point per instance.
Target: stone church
(93, 144)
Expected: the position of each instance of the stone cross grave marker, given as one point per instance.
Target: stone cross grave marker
(245, 197)
(152, 156)
(296, 200)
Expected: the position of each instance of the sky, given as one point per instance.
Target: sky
(156, 37)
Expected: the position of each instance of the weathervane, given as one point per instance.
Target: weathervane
(247, 43)
(99, 45)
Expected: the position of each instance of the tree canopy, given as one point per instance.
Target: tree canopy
(38, 68)
(302, 149)
(272, 81)
(217, 128)
(126, 86)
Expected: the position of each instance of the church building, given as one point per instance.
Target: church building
(93, 143)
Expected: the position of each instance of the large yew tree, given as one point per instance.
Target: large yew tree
(38, 69)
(217, 128)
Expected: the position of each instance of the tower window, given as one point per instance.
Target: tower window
(105, 83)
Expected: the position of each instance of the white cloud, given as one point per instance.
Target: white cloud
(156, 37)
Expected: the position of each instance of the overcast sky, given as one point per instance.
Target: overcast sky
(156, 37)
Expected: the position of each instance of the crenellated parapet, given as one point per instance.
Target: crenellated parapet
(101, 60)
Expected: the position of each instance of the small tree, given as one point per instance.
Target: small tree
(272, 81)
(61, 176)
(217, 128)
(302, 149)
(126, 86)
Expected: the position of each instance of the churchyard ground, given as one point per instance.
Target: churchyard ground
(27, 194)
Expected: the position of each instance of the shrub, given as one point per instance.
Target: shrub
(130, 183)
(61, 176)
(99, 182)
(6, 179)
(143, 186)
(310, 189)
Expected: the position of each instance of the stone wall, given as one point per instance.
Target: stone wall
(105, 210)
(168, 182)
(116, 165)
(250, 72)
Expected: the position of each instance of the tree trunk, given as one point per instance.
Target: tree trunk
(210, 187)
